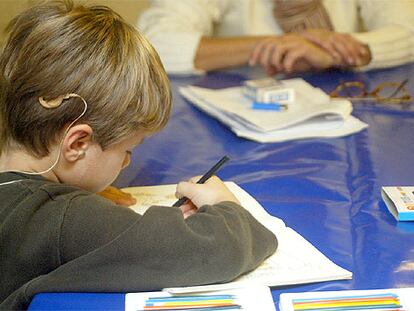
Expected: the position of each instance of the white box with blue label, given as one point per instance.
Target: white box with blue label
(399, 201)
(268, 91)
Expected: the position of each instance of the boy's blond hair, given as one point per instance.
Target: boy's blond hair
(57, 48)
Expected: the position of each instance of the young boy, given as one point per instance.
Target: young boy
(80, 89)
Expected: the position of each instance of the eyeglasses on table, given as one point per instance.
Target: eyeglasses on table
(384, 93)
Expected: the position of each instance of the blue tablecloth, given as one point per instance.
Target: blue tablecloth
(328, 190)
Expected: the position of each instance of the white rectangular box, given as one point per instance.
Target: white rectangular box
(268, 91)
(399, 201)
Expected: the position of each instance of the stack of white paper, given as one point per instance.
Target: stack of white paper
(313, 114)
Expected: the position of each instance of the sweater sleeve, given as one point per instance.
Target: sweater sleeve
(390, 32)
(159, 249)
(175, 29)
(89, 223)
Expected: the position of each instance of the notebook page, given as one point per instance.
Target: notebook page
(296, 261)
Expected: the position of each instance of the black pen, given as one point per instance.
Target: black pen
(204, 178)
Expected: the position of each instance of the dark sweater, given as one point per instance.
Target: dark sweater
(56, 238)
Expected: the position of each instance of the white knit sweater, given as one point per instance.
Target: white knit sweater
(175, 26)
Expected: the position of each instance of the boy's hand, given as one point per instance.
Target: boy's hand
(188, 209)
(213, 191)
(117, 196)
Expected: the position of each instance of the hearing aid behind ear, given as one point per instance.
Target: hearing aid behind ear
(53, 103)
(49, 104)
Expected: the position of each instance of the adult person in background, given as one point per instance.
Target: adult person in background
(282, 36)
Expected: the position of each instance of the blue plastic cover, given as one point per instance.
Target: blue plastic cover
(326, 189)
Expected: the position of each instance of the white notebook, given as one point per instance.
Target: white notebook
(296, 261)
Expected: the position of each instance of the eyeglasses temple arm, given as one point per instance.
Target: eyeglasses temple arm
(398, 88)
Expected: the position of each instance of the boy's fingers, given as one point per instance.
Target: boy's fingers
(125, 201)
(118, 196)
(213, 179)
(183, 188)
(189, 213)
(194, 179)
(186, 207)
(111, 190)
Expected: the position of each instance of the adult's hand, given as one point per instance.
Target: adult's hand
(290, 53)
(341, 46)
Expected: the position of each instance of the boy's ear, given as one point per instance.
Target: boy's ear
(76, 142)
